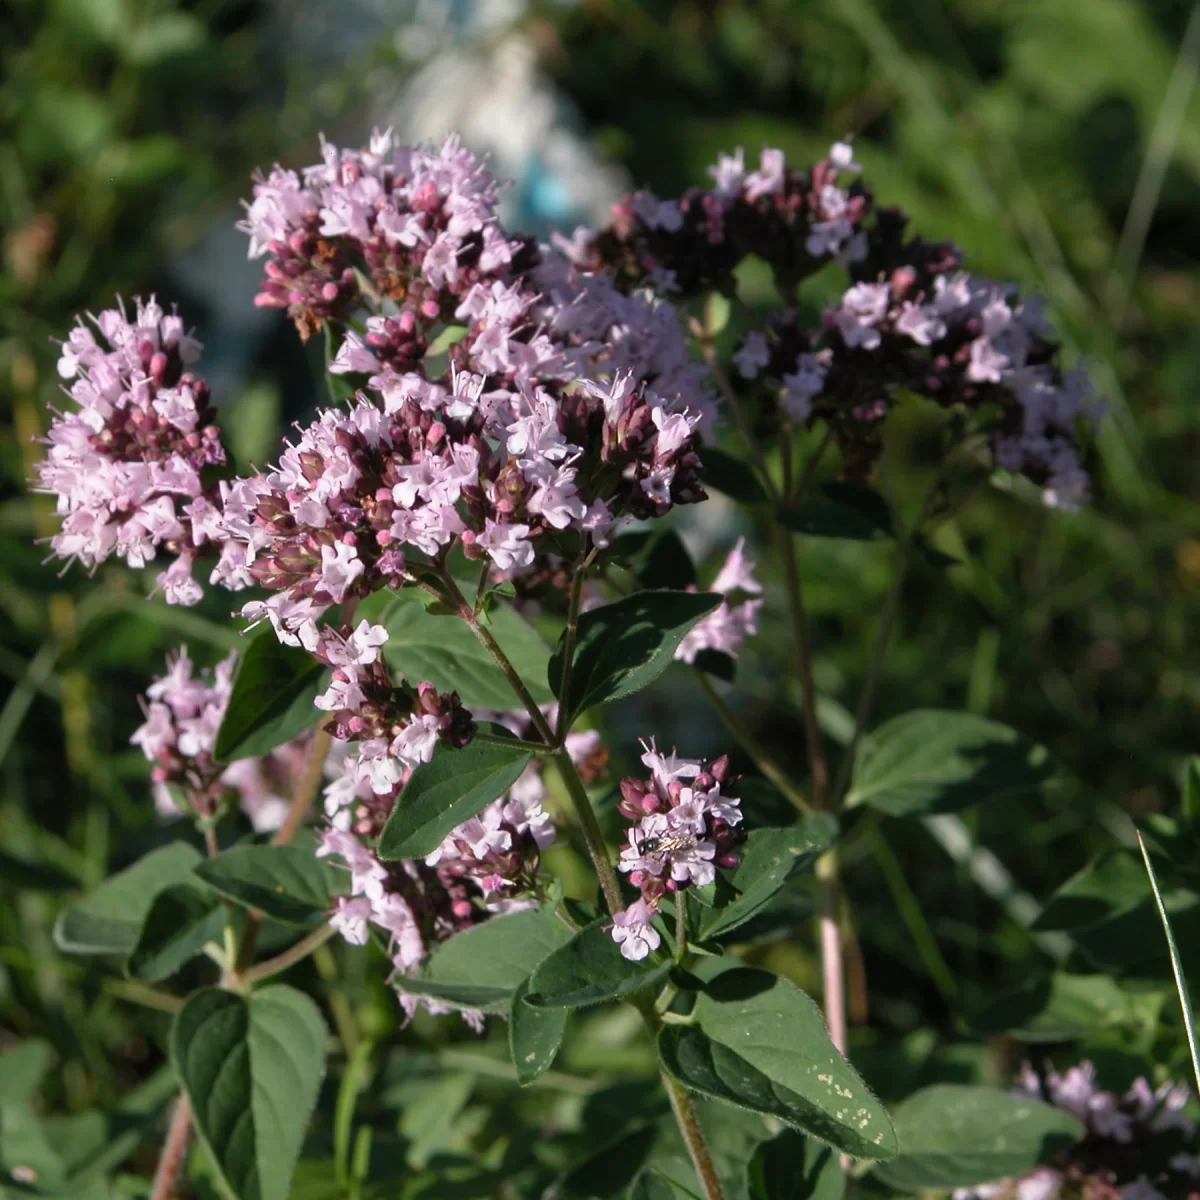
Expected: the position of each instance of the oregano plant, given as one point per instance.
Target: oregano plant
(452, 577)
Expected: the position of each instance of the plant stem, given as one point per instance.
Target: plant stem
(762, 757)
(489, 643)
(592, 835)
(680, 926)
(832, 969)
(306, 788)
(812, 729)
(170, 1160)
(689, 1127)
(294, 954)
(569, 635)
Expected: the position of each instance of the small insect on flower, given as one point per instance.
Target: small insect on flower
(668, 845)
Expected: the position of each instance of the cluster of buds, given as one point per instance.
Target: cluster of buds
(1140, 1146)
(126, 463)
(726, 627)
(685, 827)
(184, 710)
(486, 866)
(794, 220)
(911, 321)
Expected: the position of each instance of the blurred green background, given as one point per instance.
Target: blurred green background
(1058, 142)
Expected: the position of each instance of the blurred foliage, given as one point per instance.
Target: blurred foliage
(1020, 131)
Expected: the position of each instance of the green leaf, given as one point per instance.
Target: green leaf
(534, 1035)
(791, 1166)
(589, 969)
(730, 476)
(851, 511)
(658, 558)
(625, 646)
(446, 791)
(271, 701)
(251, 1067)
(35, 876)
(1113, 883)
(443, 651)
(1191, 791)
(930, 761)
(109, 919)
(757, 1042)
(767, 860)
(953, 1135)
(180, 922)
(286, 883)
(1058, 1008)
(22, 1069)
(483, 967)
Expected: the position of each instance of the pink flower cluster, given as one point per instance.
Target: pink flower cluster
(685, 828)
(563, 405)
(485, 867)
(395, 726)
(184, 710)
(421, 224)
(727, 627)
(795, 220)
(968, 340)
(126, 462)
(911, 320)
(1137, 1147)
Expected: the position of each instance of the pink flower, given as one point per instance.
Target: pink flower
(633, 932)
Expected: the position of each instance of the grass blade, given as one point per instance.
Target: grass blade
(1181, 987)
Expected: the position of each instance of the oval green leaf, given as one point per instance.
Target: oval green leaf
(589, 969)
(442, 650)
(483, 967)
(286, 883)
(767, 860)
(955, 1136)
(251, 1067)
(929, 761)
(271, 700)
(757, 1042)
(108, 920)
(446, 791)
(625, 646)
(534, 1035)
(181, 921)
(791, 1166)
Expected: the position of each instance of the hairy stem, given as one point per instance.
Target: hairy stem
(170, 1160)
(294, 954)
(689, 1127)
(592, 835)
(763, 759)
